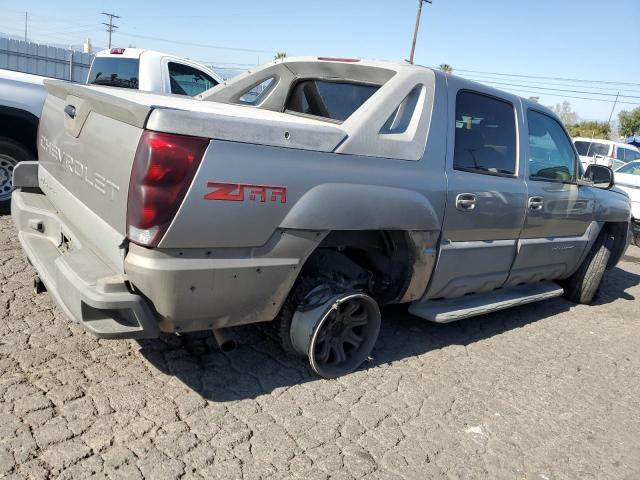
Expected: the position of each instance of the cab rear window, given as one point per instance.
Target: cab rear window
(114, 72)
(328, 99)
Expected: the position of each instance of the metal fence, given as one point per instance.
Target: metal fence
(44, 60)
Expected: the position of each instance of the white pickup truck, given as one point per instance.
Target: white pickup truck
(22, 97)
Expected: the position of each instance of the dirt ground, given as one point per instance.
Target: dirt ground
(545, 391)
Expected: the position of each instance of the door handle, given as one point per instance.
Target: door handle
(466, 201)
(536, 203)
(70, 110)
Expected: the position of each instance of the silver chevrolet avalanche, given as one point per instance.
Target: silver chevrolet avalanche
(309, 192)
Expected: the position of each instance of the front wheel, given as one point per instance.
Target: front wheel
(582, 286)
(11, 153)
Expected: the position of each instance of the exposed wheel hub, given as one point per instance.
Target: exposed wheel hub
(7, 164)
(339, 334)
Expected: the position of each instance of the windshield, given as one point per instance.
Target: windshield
(630, 168)
(114, 71)
(582, 147)
(599, 149)
(589, 149)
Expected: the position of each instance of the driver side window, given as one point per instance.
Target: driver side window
(551, 156)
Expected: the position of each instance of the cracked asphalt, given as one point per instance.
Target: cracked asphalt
(546, 391)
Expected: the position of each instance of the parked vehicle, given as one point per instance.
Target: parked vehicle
(150, 71)
(21, 99)
(627, 178)
(605, 152)
(22, 96)
(311, 191)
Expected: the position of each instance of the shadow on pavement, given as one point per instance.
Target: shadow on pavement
(258, 365)
(616, 283)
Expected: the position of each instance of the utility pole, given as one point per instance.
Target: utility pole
(415, 31)
(614, 107)
(25, 26)
(110, 26)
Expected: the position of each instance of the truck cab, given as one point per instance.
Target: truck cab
(150, 71)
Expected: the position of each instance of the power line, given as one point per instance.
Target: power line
(514, 90)
(110, 26)
(192, 44)
(552, 78)
(555, 89)
(480, 77)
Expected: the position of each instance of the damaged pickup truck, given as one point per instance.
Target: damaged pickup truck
(309, 192)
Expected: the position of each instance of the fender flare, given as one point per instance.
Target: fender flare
(347, 206)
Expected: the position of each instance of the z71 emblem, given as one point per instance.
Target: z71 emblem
(235, 192)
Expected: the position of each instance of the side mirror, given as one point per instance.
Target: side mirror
(599, 175)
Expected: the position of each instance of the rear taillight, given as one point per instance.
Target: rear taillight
(163, 169)
(117, 51)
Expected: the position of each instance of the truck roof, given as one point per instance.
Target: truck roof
(128, 52)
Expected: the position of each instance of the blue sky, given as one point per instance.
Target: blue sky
(585, 40)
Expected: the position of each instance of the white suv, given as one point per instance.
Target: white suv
(605, 152)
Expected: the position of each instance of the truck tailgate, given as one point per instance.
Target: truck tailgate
(86, 146)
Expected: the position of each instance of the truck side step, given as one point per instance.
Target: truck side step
(451, 309)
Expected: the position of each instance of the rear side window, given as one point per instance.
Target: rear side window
(114, 72)
(551, 156)
(485, 138)
(328, 99)
(626, 154)
(257, 93)
(186, 80)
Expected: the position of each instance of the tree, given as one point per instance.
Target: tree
(563, 110)
(590, 129)
(446, 68)
(280, 55)
(629, 122)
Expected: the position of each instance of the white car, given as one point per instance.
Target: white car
(605, 152)
(627, 178)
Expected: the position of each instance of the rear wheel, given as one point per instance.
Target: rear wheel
(11, 153)
(335, 331)
(582, 286)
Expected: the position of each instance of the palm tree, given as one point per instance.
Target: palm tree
(446, 68)
(280, 55)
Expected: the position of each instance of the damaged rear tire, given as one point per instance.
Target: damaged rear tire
(335, 331)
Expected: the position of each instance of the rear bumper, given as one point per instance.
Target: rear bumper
(87, 289)
(158, 289)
